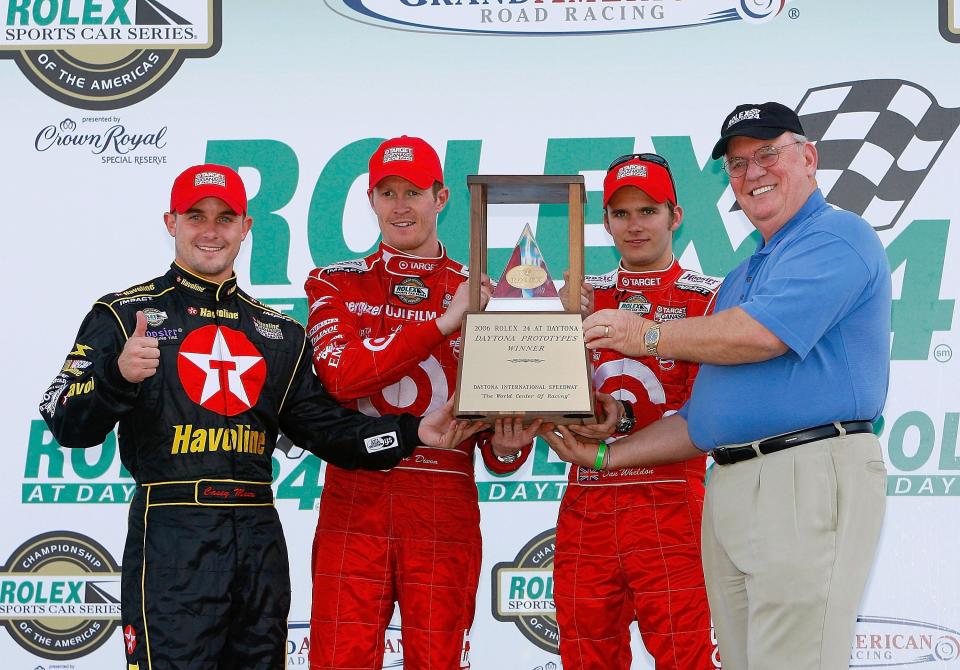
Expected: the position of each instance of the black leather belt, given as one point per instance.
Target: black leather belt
(730, 455)
(211, 492)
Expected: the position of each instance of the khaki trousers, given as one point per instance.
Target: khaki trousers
(788, 543)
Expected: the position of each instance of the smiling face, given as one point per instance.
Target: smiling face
(208, 237)
(770, 196)
(407, 215)
(642, 229)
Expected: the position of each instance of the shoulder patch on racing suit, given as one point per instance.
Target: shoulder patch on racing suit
(607, 280)
(698, 283)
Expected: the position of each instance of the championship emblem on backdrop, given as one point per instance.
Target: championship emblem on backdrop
(61, 596)
(523, 592)
(109, 54)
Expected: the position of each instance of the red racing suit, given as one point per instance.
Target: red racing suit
(628, 540)
(411, 535)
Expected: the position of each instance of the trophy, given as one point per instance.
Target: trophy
(524, 355)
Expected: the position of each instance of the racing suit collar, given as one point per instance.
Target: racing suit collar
(648, 281)
(396, 262)
(199, 288)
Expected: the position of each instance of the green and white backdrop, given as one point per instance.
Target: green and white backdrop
(105, 101)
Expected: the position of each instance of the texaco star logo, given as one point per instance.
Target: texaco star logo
(130, 637)
(221, 370)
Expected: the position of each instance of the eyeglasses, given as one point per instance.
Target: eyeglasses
(765, 157)
(657, 159)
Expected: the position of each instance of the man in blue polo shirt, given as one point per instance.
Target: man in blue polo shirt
(795, 365)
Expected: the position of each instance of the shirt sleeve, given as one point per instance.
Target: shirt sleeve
(490, 461)
(89, 395)
(808, 289)
(314, 421)
(351, 366)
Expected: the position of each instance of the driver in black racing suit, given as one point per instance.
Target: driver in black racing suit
(201, 377)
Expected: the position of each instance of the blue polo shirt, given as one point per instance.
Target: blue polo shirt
(822, 285)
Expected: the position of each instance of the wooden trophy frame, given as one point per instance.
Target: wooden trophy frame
(568, 360)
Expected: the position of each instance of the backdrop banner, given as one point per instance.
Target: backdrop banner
(105, 102)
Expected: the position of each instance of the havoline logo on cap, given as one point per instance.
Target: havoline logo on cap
(60, 595)
(106, 54)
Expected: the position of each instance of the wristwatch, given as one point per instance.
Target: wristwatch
(651, 339)
(627, 421)
(509, 458)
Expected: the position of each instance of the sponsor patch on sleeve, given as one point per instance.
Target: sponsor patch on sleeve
(694, 281)
(381, 442)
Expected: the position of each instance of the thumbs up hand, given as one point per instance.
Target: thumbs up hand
(140, 357)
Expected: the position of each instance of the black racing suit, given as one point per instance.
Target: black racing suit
(205, 576)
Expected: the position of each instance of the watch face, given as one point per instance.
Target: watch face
(651, 336)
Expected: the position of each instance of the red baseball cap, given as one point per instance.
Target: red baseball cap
(649, 175)
(408, 157)
(208, 181)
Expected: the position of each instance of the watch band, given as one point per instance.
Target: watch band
(509, 458)
(627, 421)
(651, 339)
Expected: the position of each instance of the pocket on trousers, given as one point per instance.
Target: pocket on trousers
(877, 467)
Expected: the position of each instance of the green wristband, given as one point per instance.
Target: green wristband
(601, 452)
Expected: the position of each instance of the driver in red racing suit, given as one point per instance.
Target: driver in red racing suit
(385, 333)
(628, 540)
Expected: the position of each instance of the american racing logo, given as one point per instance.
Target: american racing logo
(885, 642)
(380, 442)
(523, 592)
(411, 291)
(107, 54)
(60, 595)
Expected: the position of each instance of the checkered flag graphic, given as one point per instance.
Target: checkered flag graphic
(877, 140)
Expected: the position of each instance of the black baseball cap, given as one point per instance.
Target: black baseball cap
(763, 121)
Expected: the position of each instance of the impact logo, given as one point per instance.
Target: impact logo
(523, 592)
(883, 642)
(552, 17)
(60, 595)
(106, 54)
